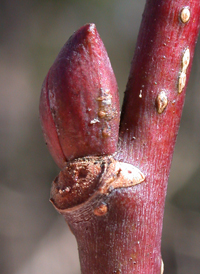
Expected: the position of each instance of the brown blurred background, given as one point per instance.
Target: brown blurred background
(34, 239)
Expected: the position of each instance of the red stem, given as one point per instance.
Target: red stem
(117, 221)
(147, 138)
(128, 239)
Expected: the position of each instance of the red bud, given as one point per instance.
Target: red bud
(79, 104)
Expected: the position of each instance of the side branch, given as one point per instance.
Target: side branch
(151, 114)
(157, 82)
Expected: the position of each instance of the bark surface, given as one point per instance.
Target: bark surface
(117, 218)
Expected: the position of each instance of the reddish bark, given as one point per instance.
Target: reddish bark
(117, 217)
(147, 138)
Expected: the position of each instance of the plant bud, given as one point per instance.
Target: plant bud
(79, 104)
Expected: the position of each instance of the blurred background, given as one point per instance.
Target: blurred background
(33, 237)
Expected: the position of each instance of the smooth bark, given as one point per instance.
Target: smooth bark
(118, 226)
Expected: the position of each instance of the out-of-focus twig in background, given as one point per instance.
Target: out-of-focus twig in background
(33, 237)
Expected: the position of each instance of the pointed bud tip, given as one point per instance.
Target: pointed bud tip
(82, 99)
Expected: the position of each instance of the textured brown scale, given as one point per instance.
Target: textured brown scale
(77, 182)
(88, 176)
